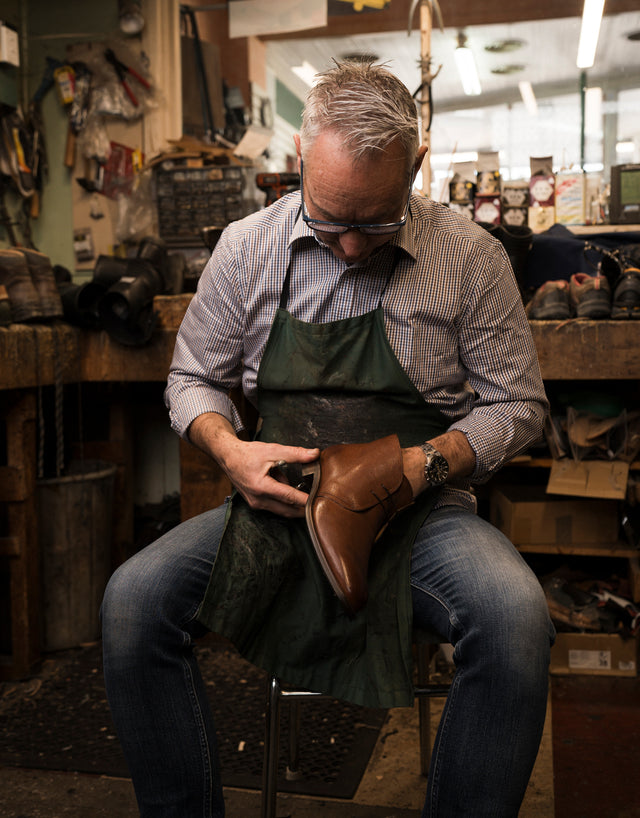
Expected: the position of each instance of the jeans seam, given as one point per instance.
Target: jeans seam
(204, 744)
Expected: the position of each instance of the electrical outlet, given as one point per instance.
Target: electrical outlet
(9, 47)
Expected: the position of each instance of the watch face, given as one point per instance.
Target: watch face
(436, 467)
(438, 470)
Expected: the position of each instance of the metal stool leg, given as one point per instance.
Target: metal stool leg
(293, 771)
(271, 750)
(424, 654)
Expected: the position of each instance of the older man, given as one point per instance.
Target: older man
(384, 343)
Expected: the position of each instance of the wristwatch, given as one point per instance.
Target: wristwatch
(436, 466)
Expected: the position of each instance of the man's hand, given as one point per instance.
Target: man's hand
(250, 465)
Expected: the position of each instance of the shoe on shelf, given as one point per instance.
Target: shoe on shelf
(357, 490)
(590, 295)
(23, 297)
(44, 281)
(626, 295)
(550, 301)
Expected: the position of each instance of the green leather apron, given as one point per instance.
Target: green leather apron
(318, 385)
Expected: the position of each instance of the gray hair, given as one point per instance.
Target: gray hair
(366, 104)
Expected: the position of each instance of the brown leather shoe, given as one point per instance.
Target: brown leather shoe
(357, 490)
(15, 275)
(44, 281)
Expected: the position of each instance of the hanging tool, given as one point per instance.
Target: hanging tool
(203, 86)
(435, 9)
(78, 110)
(123, 71)
(427, 10)
(276, 185)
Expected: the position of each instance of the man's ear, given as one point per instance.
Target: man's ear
(422, 152)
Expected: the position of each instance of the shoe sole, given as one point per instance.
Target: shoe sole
(594, 306)
(555, 311)
(626, 313)
(314, 471)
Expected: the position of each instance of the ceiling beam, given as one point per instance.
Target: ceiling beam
(455, 13)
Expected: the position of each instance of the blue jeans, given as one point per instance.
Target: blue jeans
(468, 583)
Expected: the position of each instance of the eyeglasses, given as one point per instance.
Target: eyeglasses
(337, 228)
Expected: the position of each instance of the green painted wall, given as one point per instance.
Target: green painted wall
(288, 105)
(84, 21)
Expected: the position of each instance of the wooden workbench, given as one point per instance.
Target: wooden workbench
(33, 356)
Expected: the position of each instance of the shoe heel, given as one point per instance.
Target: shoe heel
(312, 470)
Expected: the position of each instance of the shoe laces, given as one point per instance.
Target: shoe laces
(387, 503)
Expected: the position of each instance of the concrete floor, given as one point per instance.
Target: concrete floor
(392, 786)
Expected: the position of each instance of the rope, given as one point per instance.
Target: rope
(40, 425)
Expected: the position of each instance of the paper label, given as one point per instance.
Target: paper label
(590, 659)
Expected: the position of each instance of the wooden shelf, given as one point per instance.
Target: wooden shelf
(528, 462)
(619, 549)
(596, 229)
(583, 350)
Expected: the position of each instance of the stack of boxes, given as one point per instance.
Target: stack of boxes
(477, 191)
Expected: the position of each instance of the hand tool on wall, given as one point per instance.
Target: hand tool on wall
(40, 164)
(124, 72)
(189, 13)
(78, 111)
(276, 185)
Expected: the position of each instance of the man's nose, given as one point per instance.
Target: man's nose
(353, 243)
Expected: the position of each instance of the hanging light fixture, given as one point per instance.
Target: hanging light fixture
(467, 67)
(589, 32)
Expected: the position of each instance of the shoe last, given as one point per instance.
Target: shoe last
(358, 489)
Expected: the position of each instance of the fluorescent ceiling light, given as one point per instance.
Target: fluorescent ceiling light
(593, 110)
(306, 72)
(625, 146)
(467, 68)
(447, 158)
(528, 97)
(589, 32)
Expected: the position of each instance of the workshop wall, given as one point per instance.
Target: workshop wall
(52, 28)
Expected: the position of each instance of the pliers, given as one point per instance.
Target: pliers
(122, 70)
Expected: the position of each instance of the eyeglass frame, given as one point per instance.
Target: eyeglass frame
(383, 229)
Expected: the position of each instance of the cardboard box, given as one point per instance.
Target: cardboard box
(594, 654)
(606, 479)
(487, 209)
(541, 218)
(527, 515)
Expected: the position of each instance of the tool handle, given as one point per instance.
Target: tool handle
(70, 148)
(129, 93)
(137, 76)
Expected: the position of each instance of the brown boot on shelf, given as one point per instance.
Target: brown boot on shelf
(357, 490)
(44, 281)
(23, 297)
